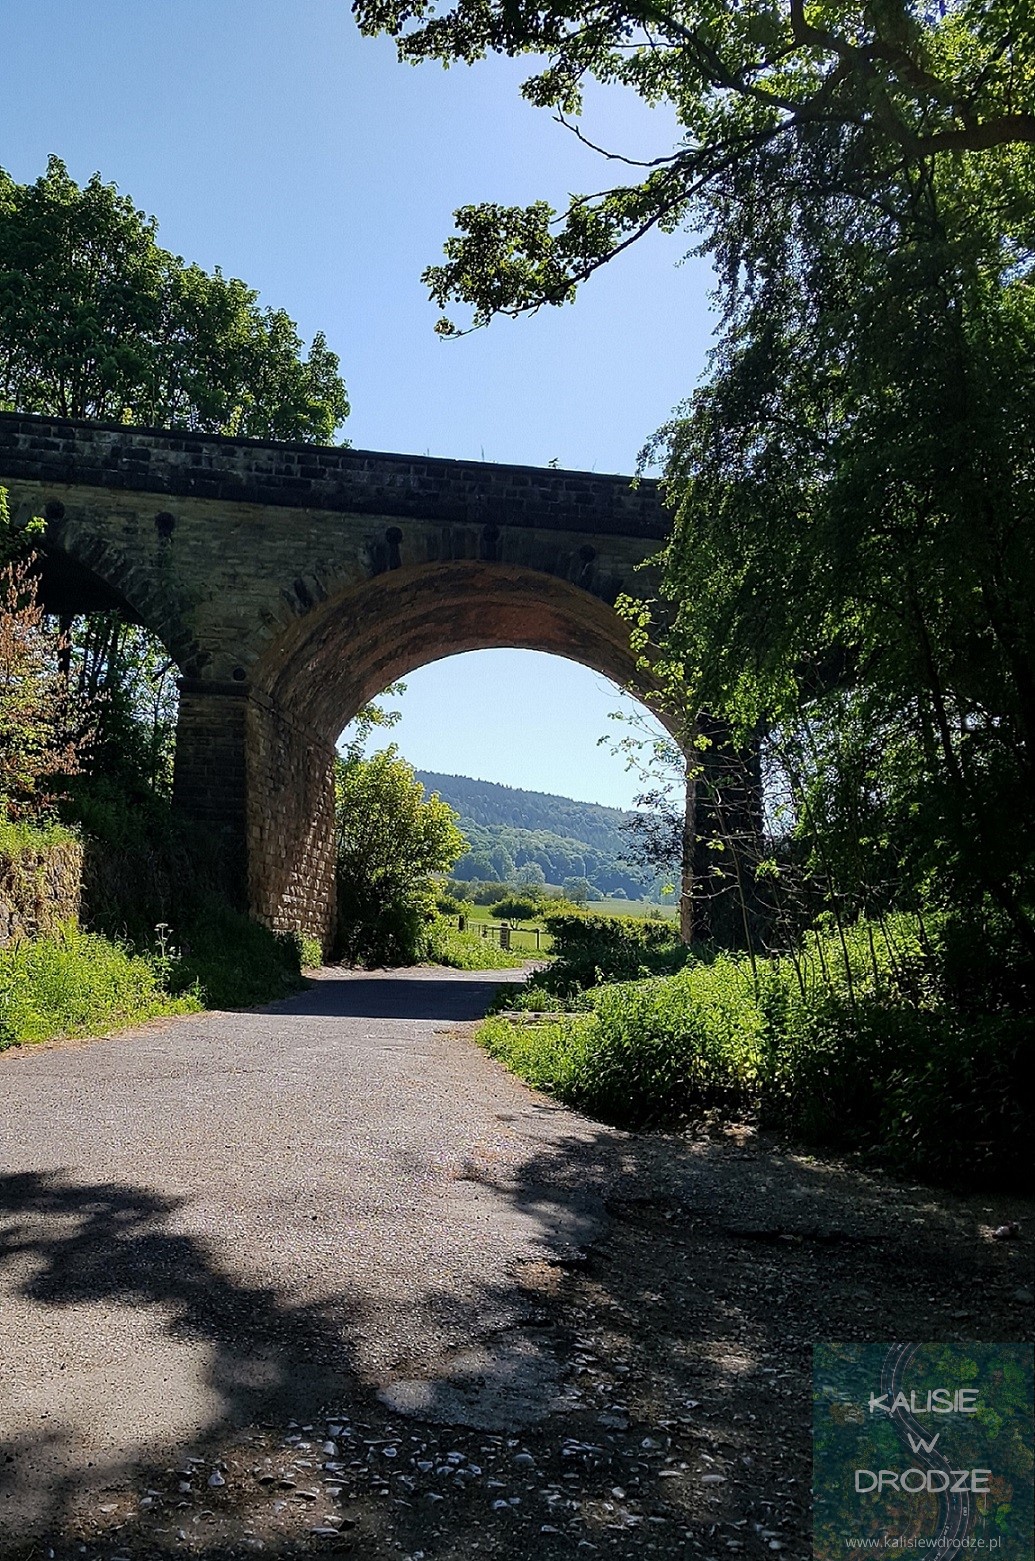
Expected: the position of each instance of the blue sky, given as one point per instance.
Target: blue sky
(270, 139)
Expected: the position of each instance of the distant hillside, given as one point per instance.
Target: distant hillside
(508, 828)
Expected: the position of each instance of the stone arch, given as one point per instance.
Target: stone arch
(314, 677)
(354, 645)
(84, 571)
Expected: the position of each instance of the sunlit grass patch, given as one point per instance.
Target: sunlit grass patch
(77, 983)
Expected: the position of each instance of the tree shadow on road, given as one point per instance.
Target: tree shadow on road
(669, 1360)
(455, 999)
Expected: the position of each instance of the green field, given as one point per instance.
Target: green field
(632, 908)
(523, 934)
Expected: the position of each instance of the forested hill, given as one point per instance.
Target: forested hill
(509, 828)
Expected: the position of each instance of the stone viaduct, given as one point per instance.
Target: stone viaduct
(292, 582)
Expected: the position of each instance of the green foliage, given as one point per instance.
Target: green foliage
(591, 949)
(310, 952)
(554, 1057)
(391, 840)
(20, 835)
(539, 838)
(80, 983)
(579, 891)
(851, 576)
(142, 864)
(516, 908)
(873, 491)
(43, 726)
(487, 893)
(40, 878)
(77, 983)
(96, 320)
(849, 1045)
(883, 89)
(127, 678)
(230, 961)
(533, 997)
(444, 945)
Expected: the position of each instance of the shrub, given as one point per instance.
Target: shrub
(516, 908)
(556, 1058)
(487, 893)
(310, 951)
(850, 1043)
(534, 998)
(43, 723)
(77, 983)
(231, 961)
(591, 949)
(444, 945)
(141, 864)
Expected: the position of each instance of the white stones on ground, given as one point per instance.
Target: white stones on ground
(713, 1479)
(215, 1480)
(330, 1449)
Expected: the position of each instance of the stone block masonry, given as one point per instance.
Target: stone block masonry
(40, 886)
(291, 583)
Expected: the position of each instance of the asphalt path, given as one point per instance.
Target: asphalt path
(241, 1216)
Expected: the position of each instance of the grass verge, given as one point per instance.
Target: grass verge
(233, 962)
(77, 983)
(860, 1053)
(468, 951)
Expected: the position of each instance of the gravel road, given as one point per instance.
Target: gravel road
(339, 1220)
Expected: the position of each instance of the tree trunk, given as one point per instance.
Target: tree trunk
(687, 924)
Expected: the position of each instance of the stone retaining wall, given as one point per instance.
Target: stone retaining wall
(39, 889)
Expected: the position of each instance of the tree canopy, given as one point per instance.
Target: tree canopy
(98, 321)
(852, 567)
(391, 840)
(896, 85)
